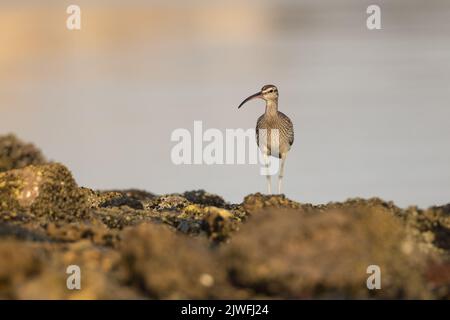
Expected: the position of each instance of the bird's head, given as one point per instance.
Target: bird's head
(268, 93)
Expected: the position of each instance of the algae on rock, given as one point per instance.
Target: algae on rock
(43, 191)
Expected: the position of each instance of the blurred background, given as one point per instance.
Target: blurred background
(370, 108)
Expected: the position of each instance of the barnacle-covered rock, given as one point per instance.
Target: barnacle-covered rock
(43, 191)
(15, 154)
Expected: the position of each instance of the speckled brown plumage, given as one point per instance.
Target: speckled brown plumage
(283, 124)
(268, 126)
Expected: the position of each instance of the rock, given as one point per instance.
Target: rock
(195, 219)
(94, 231)
(47, 191)
(136, 194)
(219, 223)
(15, 154)
(121, 217)
(256, 202)
(96, 199)
(169, 266)
(171, 202)
(133, 198)
(204, 198)
(21, 233)
(38, 271)
(19, 262)
(292, 254)
(133, 244)
(123, 201)
(432, 226)
(438, 279)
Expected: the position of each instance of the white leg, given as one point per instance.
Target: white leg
(269, 180)
(281, 174)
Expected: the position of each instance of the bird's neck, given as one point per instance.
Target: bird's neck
(271, 107)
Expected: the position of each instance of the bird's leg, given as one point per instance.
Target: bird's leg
(269, 180)
(281, 174)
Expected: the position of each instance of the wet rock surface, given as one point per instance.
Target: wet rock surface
(135, 244)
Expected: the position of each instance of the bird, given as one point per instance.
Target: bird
(274, 125)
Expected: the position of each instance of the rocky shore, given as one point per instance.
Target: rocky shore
(136, 244)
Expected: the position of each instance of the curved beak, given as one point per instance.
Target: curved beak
(253, 96)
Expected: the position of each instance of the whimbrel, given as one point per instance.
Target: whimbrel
(276, 123)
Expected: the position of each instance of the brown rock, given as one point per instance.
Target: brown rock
(167, 265)
(256, 202)
(292, 254)
(19, 262)
(45, 191)
(15, 154)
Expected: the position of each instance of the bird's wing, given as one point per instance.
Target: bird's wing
(258, 125)
(287, 127)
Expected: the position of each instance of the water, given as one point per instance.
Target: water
(370, 108)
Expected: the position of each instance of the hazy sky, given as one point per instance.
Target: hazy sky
(370, 108)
